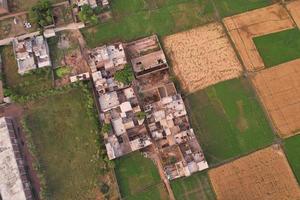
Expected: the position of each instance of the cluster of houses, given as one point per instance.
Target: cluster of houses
(147, 112)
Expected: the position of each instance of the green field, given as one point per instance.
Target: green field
(194, 187)
(157, 192)
(228, 120)
(34, 82)
(229, 7)
(138, 18)
(277, 48)
(135, 173)
(66, 140)
(292, 149)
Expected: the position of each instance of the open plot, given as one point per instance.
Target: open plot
(243, 27)
(292, 150)
(194, 187)
(139, 18)
(66, 139)
(264, 174)
(229, 7)
(157, 192)
(202, 57)
(279, 91)
(228, 120)
(277, 48)
(294, 7)
(135, 173)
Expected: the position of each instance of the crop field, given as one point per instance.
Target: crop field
(66, 141)
(135, 174)
(229, 7)
(194, 187)
(202, 57)
(226, 118)
(279, 91)
(244, 27)
(278, 48)
(33, 82)
(264, 174)
(294, 7)
(292, 150)
(157, 192)
(138, 18)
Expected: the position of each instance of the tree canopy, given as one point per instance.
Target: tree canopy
(125, 75)
(87, 15)
(41, 13)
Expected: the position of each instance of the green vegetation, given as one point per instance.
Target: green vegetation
(137, 18)
(194, 187)
(87, 15)
(125, 75)
(229, 120)
(281, 47)
(64, 131)
(41, 13)
(156, 192)
(106, 128)
(29, 84)
(292, 150)
(62, 71)
(141, 115)
(135, 173)
(229, 7)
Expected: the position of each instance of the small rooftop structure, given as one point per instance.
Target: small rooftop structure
(146, 56)
(31, 53)
(111, 57)
(14, 184)
(92, 3)
(3, 7)
(108, 101)
(80, 77)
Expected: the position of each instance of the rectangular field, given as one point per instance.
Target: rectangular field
(202, 57)
(227, 117)
(135, 173)
(277, 48)
(139, 18)
(229, 7)
(279, 91)
(244, 27)
(294, 7)
(264, 174)
(155, 192)
(194, 187)
(292, 150)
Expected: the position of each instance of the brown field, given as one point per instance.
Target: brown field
(202, 57)
(264, 174)
(244, 27)
(279, 90)
(294, 8)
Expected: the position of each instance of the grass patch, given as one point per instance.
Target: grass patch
(34, 82)
(194, 187)
(229, 7)
(157, 192)
(139, 18)
(292, 149)
(135, 173)
(229, 120)
(65, 137)
(277, 48)
(62, 71)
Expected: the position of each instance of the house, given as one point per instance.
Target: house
(92, 3)
(31, 53)
(3, 7)
(110, 58)
(146, 56)
(104, 3)
(14, 182)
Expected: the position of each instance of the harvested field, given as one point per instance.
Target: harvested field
(202, 57)
(264, 174)
(244, 27)
(294, 7)
(279, 90)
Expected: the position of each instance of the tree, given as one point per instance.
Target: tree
(41, 13)
(125, 75)
(141, 115)
(87, 15)
(106, 128)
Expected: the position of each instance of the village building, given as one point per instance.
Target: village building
(146, 56)
(3, 7)
(109, 58)
(92, 3)
(31, 53)
(14, 182)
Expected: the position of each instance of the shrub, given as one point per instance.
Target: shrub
(87, 15)
(62, 71)
(125, 75)
(41, 13)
